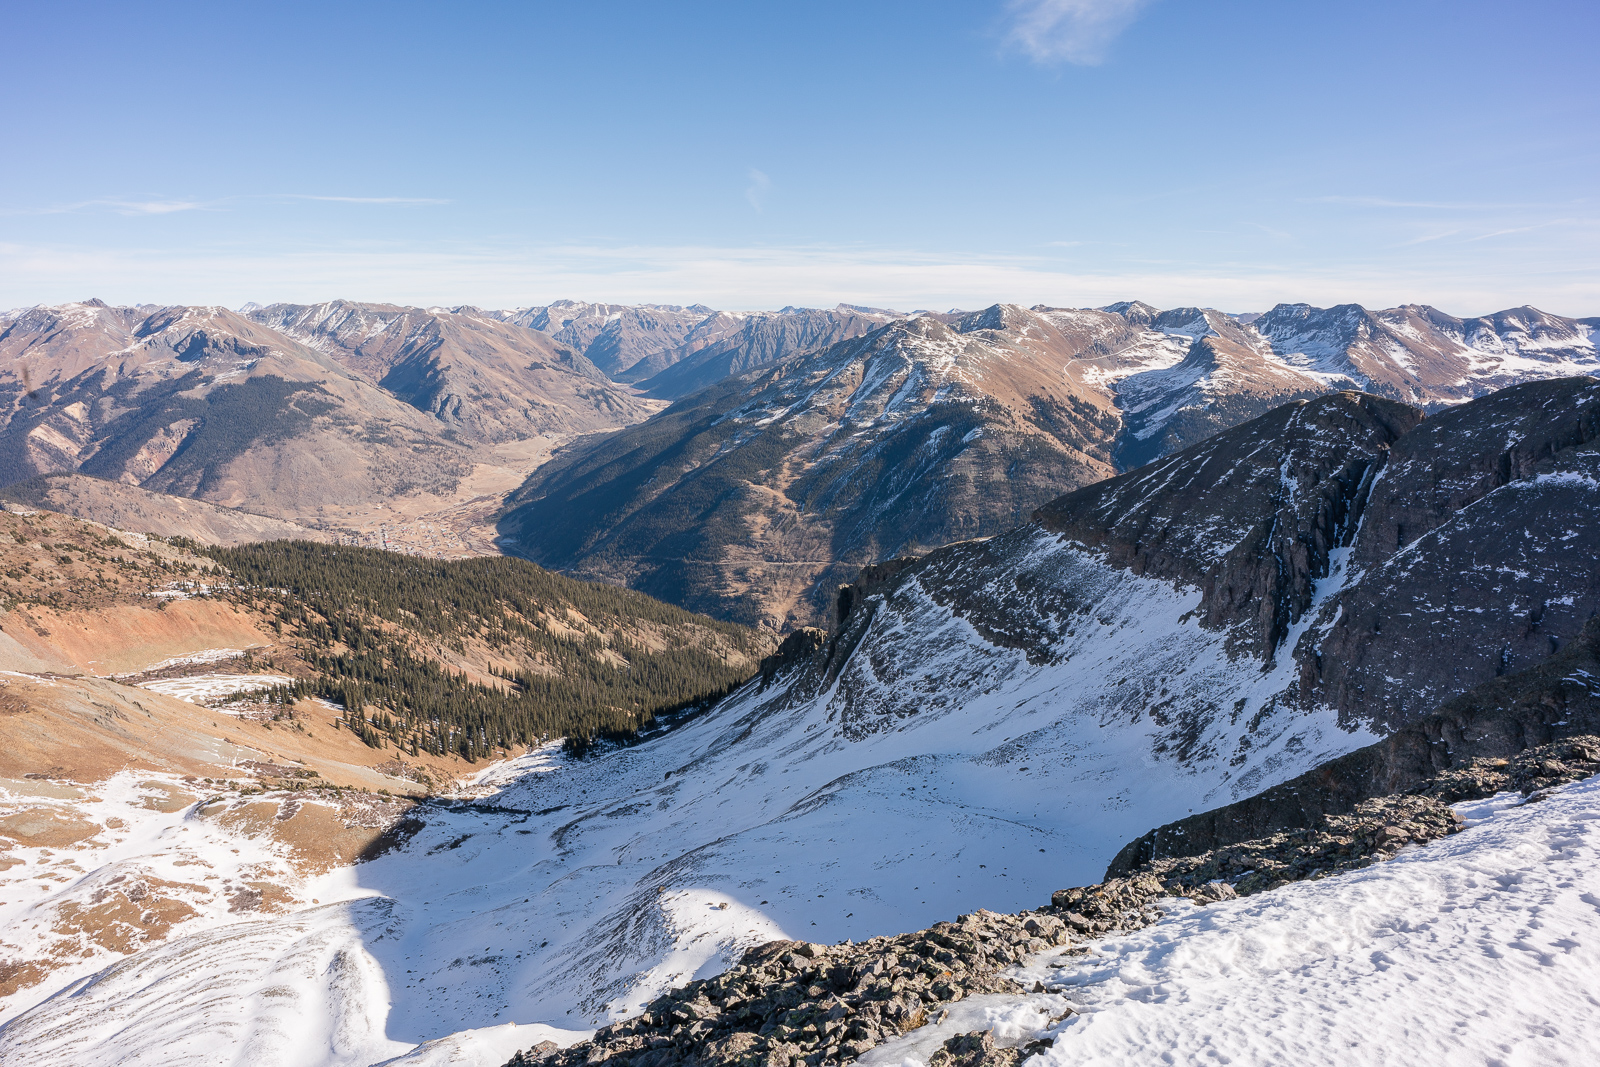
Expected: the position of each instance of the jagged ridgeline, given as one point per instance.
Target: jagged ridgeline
(398, 639)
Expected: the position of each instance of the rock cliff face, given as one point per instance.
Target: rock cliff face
(1282, 531)
(1249, 516)
(1475, 555)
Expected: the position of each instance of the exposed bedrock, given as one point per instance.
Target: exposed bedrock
(1250, 515)
(1476, 557)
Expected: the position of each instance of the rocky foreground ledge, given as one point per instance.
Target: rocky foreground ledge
(793, 1003)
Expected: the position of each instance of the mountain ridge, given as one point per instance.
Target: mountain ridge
(1071, 395)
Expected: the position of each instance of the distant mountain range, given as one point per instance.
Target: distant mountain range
(800, 444)
(756, 497)
(671, 351)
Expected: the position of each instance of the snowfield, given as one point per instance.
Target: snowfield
(202, 688)
(1482, 948)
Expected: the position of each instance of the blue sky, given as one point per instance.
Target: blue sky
(1230, 153)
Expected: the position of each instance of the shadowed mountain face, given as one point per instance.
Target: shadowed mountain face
(1376, 563)
(1476, 552)
(757, 495)
(1284, 488)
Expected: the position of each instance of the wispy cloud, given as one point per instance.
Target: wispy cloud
(133, 206)
(1070, 31)
(368, 199)
(1513, 229)
(119, 205)
(1426, 238)
(153, 207)
(756, 191)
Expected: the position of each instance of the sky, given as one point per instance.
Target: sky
(929, 154)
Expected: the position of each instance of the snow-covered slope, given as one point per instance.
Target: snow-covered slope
(1481, 948)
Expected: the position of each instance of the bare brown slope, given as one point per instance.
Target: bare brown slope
(486, 379)
(79, 608)
(128, 507)
(201, 402)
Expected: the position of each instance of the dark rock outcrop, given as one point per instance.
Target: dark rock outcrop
(1458, 457)
(797, 647)
(796, 1004)
(1250, 515)
(1476, 555)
